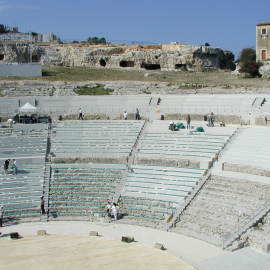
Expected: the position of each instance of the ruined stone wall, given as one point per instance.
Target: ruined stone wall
(151, 57)
(19, 52)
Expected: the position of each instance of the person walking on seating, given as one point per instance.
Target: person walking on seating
(1, 215)
(80, 114)
(14, 167)
(188, 121)
(137, 115)
(6, 165)
(42, 205)
(212, 119)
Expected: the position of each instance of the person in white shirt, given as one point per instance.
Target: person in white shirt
(125, 115)
(10, 123)
(114, 211)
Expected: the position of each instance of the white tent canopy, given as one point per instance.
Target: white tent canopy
(27, 108)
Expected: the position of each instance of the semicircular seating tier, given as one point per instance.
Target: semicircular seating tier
(20, 194)
(84, 139)
(249, 152)
(183, 148)
(82, 190)
(151, 193)
(24, 140)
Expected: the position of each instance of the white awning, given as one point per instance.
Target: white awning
(27, 108)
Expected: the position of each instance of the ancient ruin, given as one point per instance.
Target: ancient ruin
(174, 56)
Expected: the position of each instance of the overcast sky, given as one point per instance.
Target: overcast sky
(227, 24)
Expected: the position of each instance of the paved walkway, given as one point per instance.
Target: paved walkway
(191, 250)
(244, 259)
(201, 255)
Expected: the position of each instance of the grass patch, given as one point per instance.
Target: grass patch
(183, 80)
(98, 90)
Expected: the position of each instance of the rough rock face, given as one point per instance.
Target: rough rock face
(265, 71)
(182, 57)
(20, 52)
(173, 56)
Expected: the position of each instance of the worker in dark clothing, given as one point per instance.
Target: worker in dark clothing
(42, 205)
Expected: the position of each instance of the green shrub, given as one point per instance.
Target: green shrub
(248, 62)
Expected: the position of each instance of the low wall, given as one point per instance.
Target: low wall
(227, 119)
(20, 70)
(182, 163)
(245, 169)
(111, 159)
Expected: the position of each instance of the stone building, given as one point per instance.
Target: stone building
(263, 42)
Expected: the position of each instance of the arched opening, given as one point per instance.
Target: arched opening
(182, 67)
(2, 57)
(150, 66)
(102, 62)
(124, 63)
(35, 58)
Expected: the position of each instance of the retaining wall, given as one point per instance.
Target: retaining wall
(20, 70)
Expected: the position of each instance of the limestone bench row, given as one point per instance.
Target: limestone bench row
(151, 193)
(158, 141)
(95, 136)
(20, 194)
(82, 189)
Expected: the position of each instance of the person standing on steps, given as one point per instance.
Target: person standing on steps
(108, 209)
(14, 167)
(125, 115)
(42, 205)
(137, 115)
(188, 119)
(212, 119)
(114, 211)
(6, 165)
(80, 114)
(1, 215)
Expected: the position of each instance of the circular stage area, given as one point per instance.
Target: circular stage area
(82, 252)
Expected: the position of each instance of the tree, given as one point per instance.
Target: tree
(248, 64)
(3, 29)
(227, 60)
(207, 44)
(96, 40)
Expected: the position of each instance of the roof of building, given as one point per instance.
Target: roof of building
(263, 24)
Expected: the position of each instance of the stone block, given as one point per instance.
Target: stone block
(93, 233)
(127, 239)
(266, 247)
(41, 232)
(14, 235)
(159, 246)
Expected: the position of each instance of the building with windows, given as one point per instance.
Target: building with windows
(263, 42)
